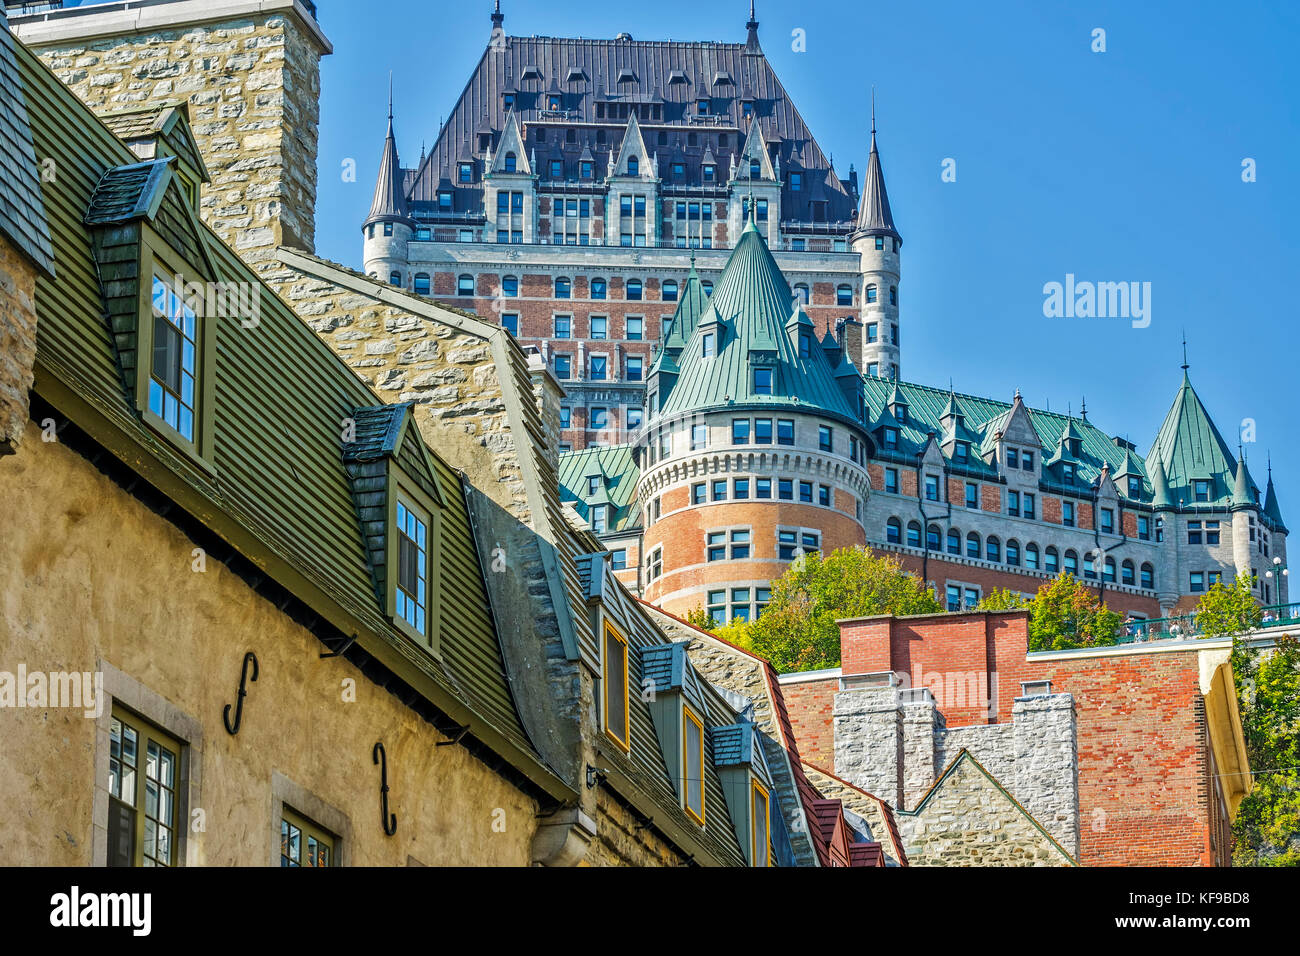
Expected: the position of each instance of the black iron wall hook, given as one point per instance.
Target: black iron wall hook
(232, 729)
(389, 820)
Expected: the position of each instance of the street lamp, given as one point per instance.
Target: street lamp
(1278, 573)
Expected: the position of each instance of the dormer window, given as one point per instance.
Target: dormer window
(1067, 473)
(412, 594)
(762, 381)
(615, 686)
(796, 182)
(707, 343)
(633, 166)
(552, 102)
(755, 169)
(1134, 487)
(1201, 489)
(444, 200)
(508, 101)
(511, 162)
(702, 107)
(891, 438)
(961, 452)
(174, 365)
(467, 170)
(693, 764)
(709, 172)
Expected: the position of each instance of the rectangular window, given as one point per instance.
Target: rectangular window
(931, 487)
(739, 545)
(810, 541)
(716, 546)
(510, 322)
(824, 496)
(616, 687)
(1201, 489)
(740, 431)
(599, 515)
(785, 431)
(1197, 582)
(954, 597)
(143, 777)
(1013, 504)
(699, 437)
(718, 606)
(719, 489)
(787, 544)
(599, 367)
(1107, 521)
(599, 417)
(740, 604)
(760, 853)
(825, 438)
(707, 345)
(411, 598)
(972, 495)
(762, 381)
(174, 367)
(961, 453)
(785, 489)
(693, 764)
(1144, 528)
(698, 493)
(635, 368)
(762, 431)
(634, 328)
(563, 366)
(566, 416)
(972, 598)
(1067, 513)
(1028, 505)
(806, 491)
(1013, 458)
(598, 326)
(618, 561)
(740, 489)
(1027, 460)
(891, 438)
(563, 326)
(303, 843)
(762, 487)
(891, 480)
(1193, 532)
(873, 332)
(1211, 532)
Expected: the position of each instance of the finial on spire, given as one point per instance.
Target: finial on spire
(497, 16)
(1083, 408)
(1185, 365)
(390, 96)
(751, 41)
(873, 111)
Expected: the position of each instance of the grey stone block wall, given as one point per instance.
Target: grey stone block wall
(869, 741)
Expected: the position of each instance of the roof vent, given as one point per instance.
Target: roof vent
(1035, 688)
(624, 37)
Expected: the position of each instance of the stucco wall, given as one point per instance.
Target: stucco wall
(17, 342)
(87, 573)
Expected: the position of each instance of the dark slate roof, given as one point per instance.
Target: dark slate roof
(378, 427)
(874, 215)
(128, 192)
(22, 208)
(672, 75)
(390, 200)
(1189, 446)
(750, 308)
(731, 745)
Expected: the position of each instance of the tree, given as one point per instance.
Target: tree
(1003, 599)
(1267, 827)
(699, 617)
(798, 632)
(1065, 614)
(1228, 609)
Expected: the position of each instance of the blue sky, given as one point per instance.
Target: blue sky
(1117, 166)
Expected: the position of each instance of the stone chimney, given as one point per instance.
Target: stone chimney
(250, 72)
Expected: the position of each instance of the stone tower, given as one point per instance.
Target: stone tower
(753, 450)
(877, 243)
(388, 228)
(249, 72)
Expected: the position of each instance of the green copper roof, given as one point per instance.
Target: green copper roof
(1244, 491)
(1271, 509)
(690, 306)
(1190, 447)
(748, 313)
(616, 475)
(1160, 496)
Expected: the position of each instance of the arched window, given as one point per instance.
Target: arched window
(670, 291)
(1072, 563)
(1013, 553)
(914, 534)
(465, 285)
(894, 531)
(633, 166)
(893, 295)
(871, 292)
(634, 290)
(1148, 577)
(844, 295)
(510, 162)
(510, 286)
(1128, 573)
(954, 541)
(1031, 556)
(1108, 570)
(801, 293)
(598, 288)
(395, 278)
(422, 283)
(973, 545)
(933, 538)
(993, 548)
(1091, 564)
(563, 287)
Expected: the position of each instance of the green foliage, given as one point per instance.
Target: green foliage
(1003, 599)
(736, 632)
(699, 617)
(798, 632)
(1267, 827)
(1228, 609)
(1066, 614)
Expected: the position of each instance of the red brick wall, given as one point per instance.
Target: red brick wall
(811, 704)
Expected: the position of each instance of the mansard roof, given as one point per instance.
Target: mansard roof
(662, 79)
(748, 312)
(1190, 447)
(616, 475)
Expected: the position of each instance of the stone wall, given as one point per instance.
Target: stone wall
(623, 841)
(253, 87)
(17, 343)
(92, 579)
(969, 821)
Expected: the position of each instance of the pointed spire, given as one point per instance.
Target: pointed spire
(498, 18)
(1160, 496)
(751, 39)
(389, 202)
(1243, 495)
(1271, 509)
(875, 218)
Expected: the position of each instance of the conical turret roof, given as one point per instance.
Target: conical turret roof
(1271, 508)
(389, 202)
(875, 218)
(747, 314)
(1243, 487)
(1189, 448)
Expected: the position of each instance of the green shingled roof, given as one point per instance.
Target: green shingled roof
(22, 208)
(748, 312)
(690, 306)
(1190, 447)
(616, 475)
(985, 416)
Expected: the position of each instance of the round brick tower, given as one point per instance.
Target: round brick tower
(754, 449)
